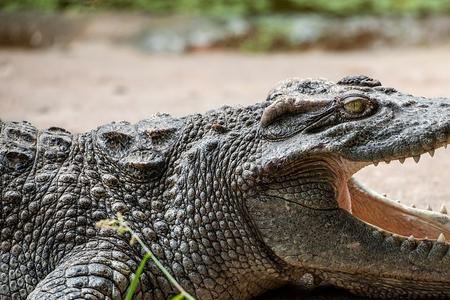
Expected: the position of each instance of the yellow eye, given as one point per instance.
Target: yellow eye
(355, 106)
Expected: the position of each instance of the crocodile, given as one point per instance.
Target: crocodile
(234, 202)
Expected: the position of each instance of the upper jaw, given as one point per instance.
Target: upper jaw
(415, 150)
(416, 127)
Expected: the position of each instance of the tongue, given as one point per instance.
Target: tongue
(394, 217)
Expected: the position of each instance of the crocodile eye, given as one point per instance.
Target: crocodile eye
(355, 105)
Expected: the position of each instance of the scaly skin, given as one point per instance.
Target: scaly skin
(234, 202)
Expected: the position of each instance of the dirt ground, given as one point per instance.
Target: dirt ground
(88, 84)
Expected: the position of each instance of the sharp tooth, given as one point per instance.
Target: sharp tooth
(443, 210)
(441, 238)
(429, 207)
(416, 158)
(431, 152)
(387, 161)
(411, 238)
(375, 163)
(413, 205)
(401, 160)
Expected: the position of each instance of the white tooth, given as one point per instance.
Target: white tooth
(401, 160)
(413, 205)
(429, 207)
(411, 238)
(416, 158)
(431, 152)
(443, 210)
(375, 163)
(387, 161)
(441, 238)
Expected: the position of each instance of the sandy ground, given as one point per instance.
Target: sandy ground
(89, 84)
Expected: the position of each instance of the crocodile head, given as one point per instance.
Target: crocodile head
(315, 217)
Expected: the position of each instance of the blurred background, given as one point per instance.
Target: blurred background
(80, 64)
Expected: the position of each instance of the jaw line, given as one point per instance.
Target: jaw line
(388, 215)
(380, 212)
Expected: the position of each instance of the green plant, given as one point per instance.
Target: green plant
(269, 34)
(43, 5)
(120, 225)
(243, 7)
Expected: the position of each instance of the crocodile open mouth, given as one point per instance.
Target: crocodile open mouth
(392, 217)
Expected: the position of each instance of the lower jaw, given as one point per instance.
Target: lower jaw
(370, 261)
(387, 287)
(419, 234)
(407, 256)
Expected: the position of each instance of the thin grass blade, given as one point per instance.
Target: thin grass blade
(137, 276)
